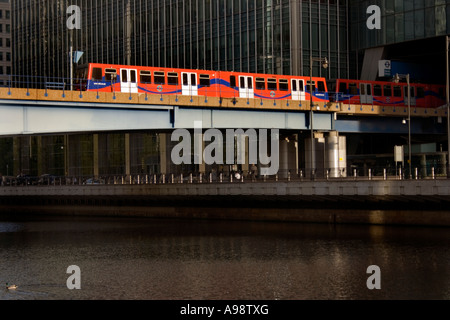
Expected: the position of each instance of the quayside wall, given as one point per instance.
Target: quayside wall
(386, 202)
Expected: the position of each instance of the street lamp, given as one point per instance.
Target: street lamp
(397, 80)
(325, 65)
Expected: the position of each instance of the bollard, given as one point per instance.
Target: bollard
(200, 180)
(265, 177)
(190, 178)
(231, 177)
(370, 174)
(172, 178)
(433, 175)
(139, 179)
(400, 176)
(154, 179)
(354, 174)
(210, 177)
(328, 174)
(164, 178)
(221, 177)
(301, 175)
(276, 177)
(146, 179)
(181, 178)
(384, 174)
(417, 173)
(289, 175)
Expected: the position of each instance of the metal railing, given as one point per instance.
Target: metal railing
(349, 174)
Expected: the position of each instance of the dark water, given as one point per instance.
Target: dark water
(148, 259)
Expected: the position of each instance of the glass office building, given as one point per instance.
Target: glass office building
(412, 32)
(5, 41)
(264, 36)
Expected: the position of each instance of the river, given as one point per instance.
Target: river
(152, 259)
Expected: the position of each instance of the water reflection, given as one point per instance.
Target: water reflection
(184, 259)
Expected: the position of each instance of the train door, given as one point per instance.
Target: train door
(128, 80)
(413, 96)
(365, 92)
(246, 87)
(298, 89)
(189, 86)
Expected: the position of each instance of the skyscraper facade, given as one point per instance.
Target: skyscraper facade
(263, 36)
(5, 41)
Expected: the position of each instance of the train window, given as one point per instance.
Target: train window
(233, 81)
(242, 79)
(377, 90)
(160, 77)
(205, 80)
(146, 76)
(353, 89)
(388, 91)
(110, 74)
(363, 90)
(124, 75)
(343, 87)
(294, 85)
(133, 76)
(406, 92)
(172, 78)
(284, 85)
(185, 79)
(420, 92)
(260, 84)
(97, 74)
(321, 86)
(250, 83)
(193, 79)
(271, 84)
(397, 91)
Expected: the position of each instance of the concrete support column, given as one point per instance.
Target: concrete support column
(163, 152)
(41, 163)
(96, 158)
(288, 157)
(127, 155)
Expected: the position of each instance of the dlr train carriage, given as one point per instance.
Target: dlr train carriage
(167, 81)
(389, 93)
(134, 79)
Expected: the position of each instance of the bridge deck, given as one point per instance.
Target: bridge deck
(212, 102)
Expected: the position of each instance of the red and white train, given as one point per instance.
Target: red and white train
(169, 81)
